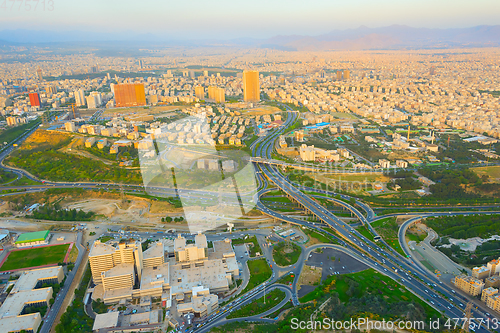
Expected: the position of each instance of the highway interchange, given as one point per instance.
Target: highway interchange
(379, 256)
(382, 258)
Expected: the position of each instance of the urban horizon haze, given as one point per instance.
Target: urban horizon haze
(224, 19)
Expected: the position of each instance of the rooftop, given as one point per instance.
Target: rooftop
(14, 303)
(154, 251)
(481, 269)
(32, 236)
(19, 323)
(29, 279)
(212, 274)
(222, 249)
(154, 278)
(100, 249)
(106, 320)
(118, 270)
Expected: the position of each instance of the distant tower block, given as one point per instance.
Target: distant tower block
(251, 87)
(230, 227)
(346, 74)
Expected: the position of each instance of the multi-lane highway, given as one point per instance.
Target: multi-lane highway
(418, 280)
(379, 256)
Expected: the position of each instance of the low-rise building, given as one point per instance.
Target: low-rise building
(33, 238)
(401, 164)
(492, 281)
(384, 163)
(307, 153)
(469, 284)
(493, 302)
(487, 293)
(494, 266)
(89, 142)
(27, 292)
(481, 272)
(70, 126)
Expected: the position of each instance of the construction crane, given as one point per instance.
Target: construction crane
(74, 110)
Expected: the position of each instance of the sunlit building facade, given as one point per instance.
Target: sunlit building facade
(251, 87)
(129, 94)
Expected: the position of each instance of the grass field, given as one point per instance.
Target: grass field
(492, 171)
(349, 177)
(364, 231)
(286, 254)
(273, 298)
(104, 239)
(276, 199)
(416, 238)
(35, 257)
(388, 230)
(369, 282)
(259, 272)
(320, 237)
(286, 279)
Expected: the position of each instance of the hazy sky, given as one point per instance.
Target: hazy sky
(250, 18)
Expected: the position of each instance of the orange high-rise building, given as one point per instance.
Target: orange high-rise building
(346, 74)
(129, 94)
(251, 87)
(199, 92)
(35, 99)
(216, 94)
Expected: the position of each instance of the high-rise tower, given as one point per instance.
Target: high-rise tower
(251, 88)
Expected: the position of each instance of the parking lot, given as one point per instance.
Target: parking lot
(334, 262)
(239, 251)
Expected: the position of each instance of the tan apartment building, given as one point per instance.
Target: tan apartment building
(469, 284)
(493, 302)
(481, 272)
(487, 293)
(103, 257)
(494, 266)
(492, 281)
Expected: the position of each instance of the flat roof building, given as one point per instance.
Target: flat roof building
(35, 278)
(492, 281)
(469, 284)
(493, 302)
(189, 273)
(33, 238)
(106, 320)
(494, 266)
(24, 294)
(104, 257)
(481, 273)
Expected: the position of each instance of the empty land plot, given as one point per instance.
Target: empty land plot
(33, 257)
(492, 171)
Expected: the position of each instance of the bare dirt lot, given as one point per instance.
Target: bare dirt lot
(261, 110)
(309, 276)
(154, 110)
(109, 207)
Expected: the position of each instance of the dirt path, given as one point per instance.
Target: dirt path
(86, 155)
